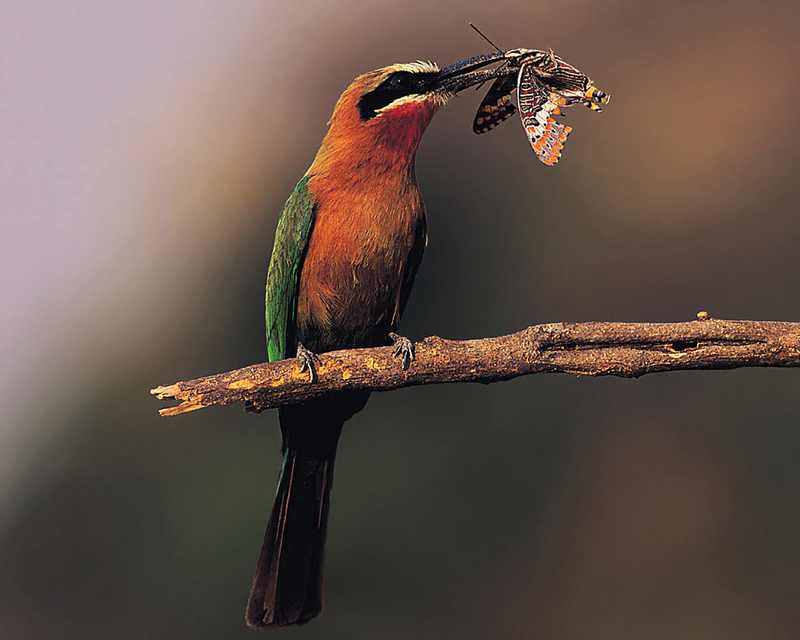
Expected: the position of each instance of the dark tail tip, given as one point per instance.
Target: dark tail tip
(287, 587)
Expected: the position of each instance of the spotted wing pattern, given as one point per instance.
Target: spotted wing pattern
(496, 106)
(545, 84)
(536, 106)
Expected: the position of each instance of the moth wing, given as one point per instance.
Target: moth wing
(496, 106)
(536, 104)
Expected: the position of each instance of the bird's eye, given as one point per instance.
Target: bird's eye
(401, 80)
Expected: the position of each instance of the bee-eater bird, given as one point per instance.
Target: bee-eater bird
(346, 251)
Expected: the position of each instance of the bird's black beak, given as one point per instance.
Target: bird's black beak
(467, 73)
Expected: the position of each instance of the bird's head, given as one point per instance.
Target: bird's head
(390, 108)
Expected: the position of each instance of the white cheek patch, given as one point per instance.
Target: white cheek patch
(437, 98)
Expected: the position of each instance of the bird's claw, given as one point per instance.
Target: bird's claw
(307, 359)
(404, 348)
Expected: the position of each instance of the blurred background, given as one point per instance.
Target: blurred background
(146, 150)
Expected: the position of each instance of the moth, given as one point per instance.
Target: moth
(545, 84)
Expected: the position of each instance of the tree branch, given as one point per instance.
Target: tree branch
(624, 349)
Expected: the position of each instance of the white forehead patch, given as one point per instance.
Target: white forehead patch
(414, 67)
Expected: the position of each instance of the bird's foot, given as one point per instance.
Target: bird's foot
(307, 360)
(404, 348)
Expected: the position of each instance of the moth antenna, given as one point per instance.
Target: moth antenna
(478, 31)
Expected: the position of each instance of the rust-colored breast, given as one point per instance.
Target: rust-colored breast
(369, 227)
(354, 272)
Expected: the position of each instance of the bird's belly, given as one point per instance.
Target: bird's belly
(350, 291)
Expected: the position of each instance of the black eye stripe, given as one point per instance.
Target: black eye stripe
(397, 85)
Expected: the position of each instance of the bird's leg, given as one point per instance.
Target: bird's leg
(307, 359)
(403, 347)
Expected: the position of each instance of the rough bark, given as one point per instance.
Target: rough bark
(624, 349)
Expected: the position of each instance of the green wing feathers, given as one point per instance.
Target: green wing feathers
(283, 278)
